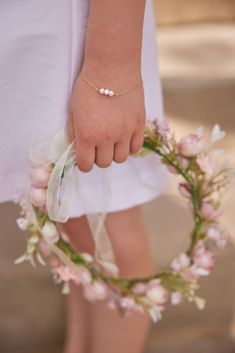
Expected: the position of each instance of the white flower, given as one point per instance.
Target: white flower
(50, 233)
(87, 257)
(217, 134)
(20, 259)
(33, 239)
(200, 303)
(22, 223)
(158, 294)
(155, 314)
(25, 257)
(176, 298)
(40, 259)
(182, 261)
(200, 131)
(65, 288)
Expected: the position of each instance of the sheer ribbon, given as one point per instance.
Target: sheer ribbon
(64, 184)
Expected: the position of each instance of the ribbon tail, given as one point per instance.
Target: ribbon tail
(62, 187)
(104, 254)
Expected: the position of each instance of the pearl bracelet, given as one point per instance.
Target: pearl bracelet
(108, 92)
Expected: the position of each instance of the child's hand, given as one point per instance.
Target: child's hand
(106, 128)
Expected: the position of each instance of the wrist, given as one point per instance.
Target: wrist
(111, 74)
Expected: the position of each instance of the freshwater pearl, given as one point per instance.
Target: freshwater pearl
(101, 90)
(106, 92)
(111, 93)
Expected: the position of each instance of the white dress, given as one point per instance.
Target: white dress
(41, 53)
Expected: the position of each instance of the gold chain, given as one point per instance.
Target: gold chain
(107, 91)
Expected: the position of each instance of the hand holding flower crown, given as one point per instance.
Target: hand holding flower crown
(205, 178)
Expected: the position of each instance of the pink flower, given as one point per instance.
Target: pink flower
(191, 145)
(157, 293)
(43, 246)
(209, 212)
(204, 260)
(184, 163)
(22, 223)
(96, 291)
(66, 273)
(189, 274)
(55, 262)
(219, 236)
(163, 127)
(224, 239)
(50, 233)
(158, 126)
(127, 303)
(83, 275)
(40, 177)
(37, 196)
(207, 164)
(172, 169)
(184, 190)
(213, 233)
(139, 288)
(176, 298)
(180, 262)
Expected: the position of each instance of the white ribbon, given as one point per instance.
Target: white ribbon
(60, 193)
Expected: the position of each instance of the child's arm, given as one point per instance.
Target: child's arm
(109, 128)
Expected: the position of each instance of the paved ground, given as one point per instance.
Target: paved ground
(31, 307)
(189, 11)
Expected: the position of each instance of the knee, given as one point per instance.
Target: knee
(134, 264)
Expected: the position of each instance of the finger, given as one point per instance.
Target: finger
(121, 151)
(85, 156)
(137, 141)
(104, 154)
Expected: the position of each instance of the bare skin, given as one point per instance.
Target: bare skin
(94, 328)
(109, 129)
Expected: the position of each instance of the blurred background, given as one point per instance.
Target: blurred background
(197, 64)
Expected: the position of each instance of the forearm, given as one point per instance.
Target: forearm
(114, 35)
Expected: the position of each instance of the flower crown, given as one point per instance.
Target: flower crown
(205, 177)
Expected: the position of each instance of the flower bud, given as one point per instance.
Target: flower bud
(158, 294)
(50, 233)
(37, 196)
(40, 177)
(95, 291)
(191, 145)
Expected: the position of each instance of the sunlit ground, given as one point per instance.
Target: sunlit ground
(198, 72)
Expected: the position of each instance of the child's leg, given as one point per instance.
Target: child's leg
(77, 323)
(105, 329)
(111, 333)
(78, 333)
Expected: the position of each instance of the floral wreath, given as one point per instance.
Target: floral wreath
(205, 177)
